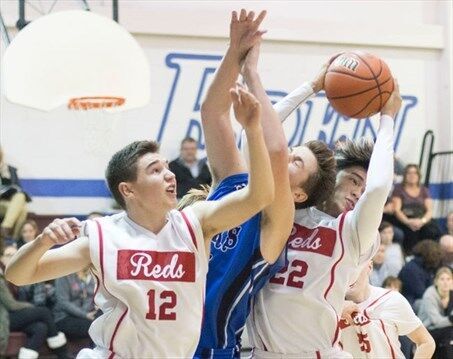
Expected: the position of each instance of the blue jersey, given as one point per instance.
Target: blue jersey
(237, 271)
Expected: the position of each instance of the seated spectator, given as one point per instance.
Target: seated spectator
(13, 201)
(436, 312)
(446, 245)
(418, 274)
(36, 322)
(392, 283)
(28, 232)
(393, 254)
(382, 268)
(413, 208)
(74, 309)
(189, 171)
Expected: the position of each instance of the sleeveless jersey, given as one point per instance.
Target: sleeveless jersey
(150, 286)
(298, 310)
(384, 316)
(237, 271)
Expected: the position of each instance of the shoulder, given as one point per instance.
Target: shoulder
(430, 292)
(398, 190)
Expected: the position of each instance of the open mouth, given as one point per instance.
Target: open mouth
(171, 189)
(349, 204)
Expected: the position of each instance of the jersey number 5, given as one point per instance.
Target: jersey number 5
(169, 300)
(292, 274)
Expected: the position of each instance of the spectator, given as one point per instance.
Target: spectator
(37, 323)
(392, 283)
(450, 223)
(28, 232)
(13, 201)
(446, 245)
(413, 209)
(189, 171)
(417, 275)
(436, 312)
(75, 310)
(393, 254)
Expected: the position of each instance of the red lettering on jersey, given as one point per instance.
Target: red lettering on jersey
(360, 319)
(319, 240)
(156, 266)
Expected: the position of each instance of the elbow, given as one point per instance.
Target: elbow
(11, 277)
(206, 111)
(278, 151)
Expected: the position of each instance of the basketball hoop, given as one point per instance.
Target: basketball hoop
(95, 102)
(99, 118)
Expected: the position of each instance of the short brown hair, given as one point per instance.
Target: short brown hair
(430, 252)
(391, 280)
(320, 185)
(122, 166)
(194, 195)
(354, 153)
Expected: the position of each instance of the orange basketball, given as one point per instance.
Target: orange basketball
(358, 84)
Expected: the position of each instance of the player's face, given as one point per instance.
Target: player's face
(349, 186)
(444, 283)
(155, 186)
(302, 164)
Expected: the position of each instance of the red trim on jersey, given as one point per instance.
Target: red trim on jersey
(318, 355)
(388, 340)
(112, 354)
(374, 302)
(192, 234)
(101, 250)
(332, 271)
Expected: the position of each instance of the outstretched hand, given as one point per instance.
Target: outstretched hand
(318, 82)
(244, 32)
(61, 231)
(247, 108)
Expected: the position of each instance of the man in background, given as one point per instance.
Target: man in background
(190, 172)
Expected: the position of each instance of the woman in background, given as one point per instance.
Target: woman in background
(413, 208)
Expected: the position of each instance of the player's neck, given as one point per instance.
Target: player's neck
(153, 222)
(361, 295)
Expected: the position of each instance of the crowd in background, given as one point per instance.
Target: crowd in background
(415, 257)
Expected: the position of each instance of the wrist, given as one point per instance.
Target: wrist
(44, 241)
(316, 86)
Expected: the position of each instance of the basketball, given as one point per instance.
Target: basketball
(358, 84)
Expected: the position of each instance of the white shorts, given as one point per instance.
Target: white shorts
(96, 353)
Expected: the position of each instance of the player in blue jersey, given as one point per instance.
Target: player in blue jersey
(243, 258)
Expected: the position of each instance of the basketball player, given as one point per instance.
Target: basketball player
(243, 258)
(325, 253)
(151, 260)
(382, 316)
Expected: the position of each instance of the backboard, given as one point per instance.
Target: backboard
(72, 54)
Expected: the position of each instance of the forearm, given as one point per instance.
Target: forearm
(261, 183)
(22, 268)
(367, 214)
(8, 301)
(274, 135)
(293, 100)
(401, 216)
(425, 350)
(218, 100)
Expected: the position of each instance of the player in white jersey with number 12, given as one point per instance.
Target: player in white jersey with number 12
(325, 254)
(151, 260)
(381, 315)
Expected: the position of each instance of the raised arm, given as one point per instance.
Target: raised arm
(223, 154)
(301, 94)
(278, 217)
(237, 207)
(363, 221)
(35, 262)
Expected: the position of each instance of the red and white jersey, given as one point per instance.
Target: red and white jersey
(384, 316)
(298, 310)
(150, 287)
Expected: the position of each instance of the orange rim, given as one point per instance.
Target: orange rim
(95, 102)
